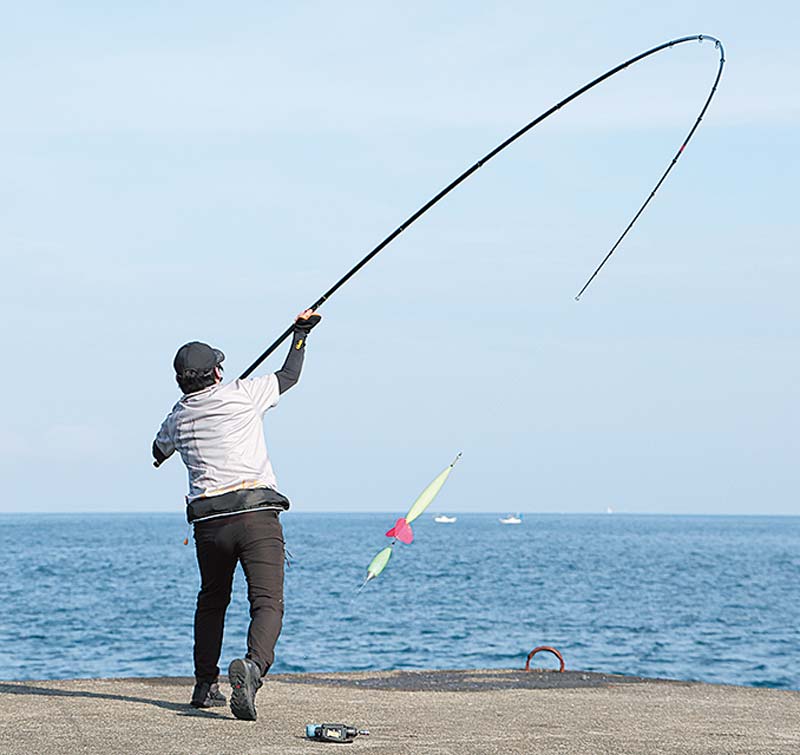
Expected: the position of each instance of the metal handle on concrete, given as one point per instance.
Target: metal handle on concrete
(548, 649)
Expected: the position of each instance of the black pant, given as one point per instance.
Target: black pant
(254, 539)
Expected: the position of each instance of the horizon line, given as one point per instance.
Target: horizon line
(394, 512)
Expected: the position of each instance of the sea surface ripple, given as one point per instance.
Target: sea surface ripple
(714, 599)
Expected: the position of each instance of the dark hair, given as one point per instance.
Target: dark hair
(191, 381)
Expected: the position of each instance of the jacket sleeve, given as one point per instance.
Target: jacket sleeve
(263, 391)
(163, 445)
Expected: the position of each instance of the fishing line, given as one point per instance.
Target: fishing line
(499, 148)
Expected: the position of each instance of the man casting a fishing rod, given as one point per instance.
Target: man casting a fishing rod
(234, 505)
(233, 501)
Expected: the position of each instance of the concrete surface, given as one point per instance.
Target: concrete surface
(425, 712)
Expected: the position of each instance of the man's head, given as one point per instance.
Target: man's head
(197, 366)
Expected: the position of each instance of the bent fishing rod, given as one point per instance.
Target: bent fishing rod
(499, 148)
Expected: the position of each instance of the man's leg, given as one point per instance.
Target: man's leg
(216, 558)
(261, 555)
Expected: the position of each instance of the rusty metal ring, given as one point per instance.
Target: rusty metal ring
(547, 649)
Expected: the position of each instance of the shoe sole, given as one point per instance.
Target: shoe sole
(243, 691)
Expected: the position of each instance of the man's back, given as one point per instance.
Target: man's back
(219, 434)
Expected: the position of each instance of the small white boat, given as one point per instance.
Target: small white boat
(444, 519)
(512, 519)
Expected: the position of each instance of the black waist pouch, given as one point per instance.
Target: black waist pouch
(235, 502)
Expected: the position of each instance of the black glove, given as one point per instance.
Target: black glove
(305, 324)
(158, 455)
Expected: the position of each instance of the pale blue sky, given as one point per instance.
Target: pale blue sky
(180, 171)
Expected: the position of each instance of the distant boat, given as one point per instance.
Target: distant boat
(512, 519)
(444, 519)
(609, 510)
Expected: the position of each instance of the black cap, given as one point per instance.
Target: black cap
(197, 356)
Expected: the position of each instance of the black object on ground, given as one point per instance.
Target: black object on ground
(341, 733)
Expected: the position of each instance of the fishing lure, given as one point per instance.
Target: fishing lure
(402, 528)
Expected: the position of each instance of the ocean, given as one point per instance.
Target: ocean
(714, 599)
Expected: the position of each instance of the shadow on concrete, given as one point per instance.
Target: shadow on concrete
(181, 709)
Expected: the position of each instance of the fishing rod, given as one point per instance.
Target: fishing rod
(499, 148)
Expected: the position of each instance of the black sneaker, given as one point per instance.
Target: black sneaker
(245, 679)
(207, 695)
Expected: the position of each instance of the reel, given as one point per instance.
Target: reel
(341, 733)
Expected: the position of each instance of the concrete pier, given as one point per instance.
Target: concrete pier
(419, 713)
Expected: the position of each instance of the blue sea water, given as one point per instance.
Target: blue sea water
(698, 598)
